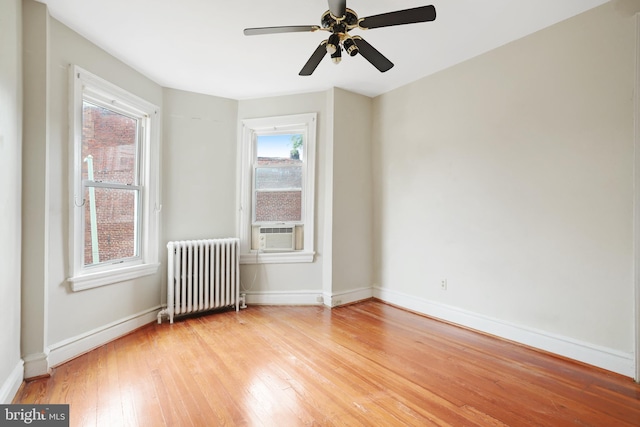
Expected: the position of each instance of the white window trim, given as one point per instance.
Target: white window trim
(147, 263)
(250, 129)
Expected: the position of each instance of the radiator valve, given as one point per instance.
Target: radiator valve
(243, 300)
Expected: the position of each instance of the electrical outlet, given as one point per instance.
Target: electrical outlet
(443, 284)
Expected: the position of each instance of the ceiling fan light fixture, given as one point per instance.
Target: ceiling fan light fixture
(350, 47)
(336, 57)
(333, 44)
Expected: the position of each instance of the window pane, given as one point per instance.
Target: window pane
(279, 149)
(278, 178)
(110, 225)
(278, 206)
(108, 145)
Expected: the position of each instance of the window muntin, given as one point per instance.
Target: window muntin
(282, 177)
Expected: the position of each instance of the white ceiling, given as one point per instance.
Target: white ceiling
(199, 46)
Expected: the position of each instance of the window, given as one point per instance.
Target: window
(277, 188)
(277, 179)
(114, 183)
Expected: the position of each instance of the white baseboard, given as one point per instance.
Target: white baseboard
(308, 297)
(73, 347)
(606, 358)
(11, 385)
(348, 297)
(602, 357)
(284, 297)
(36, 364)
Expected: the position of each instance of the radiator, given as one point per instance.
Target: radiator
(202, 275)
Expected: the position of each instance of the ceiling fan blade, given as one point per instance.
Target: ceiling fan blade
(400, 17)
(338, 8)
(315, 59)
(277, 30)
(372, 55)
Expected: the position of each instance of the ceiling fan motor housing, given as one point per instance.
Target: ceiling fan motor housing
(340, 27)
(345, 23)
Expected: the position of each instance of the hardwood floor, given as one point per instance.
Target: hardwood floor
(368, 364)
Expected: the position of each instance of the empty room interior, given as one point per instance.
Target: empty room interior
(321, 213)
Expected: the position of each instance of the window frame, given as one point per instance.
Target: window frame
(304, 124)
(84, 85)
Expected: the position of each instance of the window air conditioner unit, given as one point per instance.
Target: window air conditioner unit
(277, 238)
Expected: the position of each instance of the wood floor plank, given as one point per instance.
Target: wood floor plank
(367, 364)
(374, 382)
(437, 370)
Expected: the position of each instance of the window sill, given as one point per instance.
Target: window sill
(276, 257)
(94, 280)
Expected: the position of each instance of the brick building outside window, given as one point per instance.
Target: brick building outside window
(109, 153)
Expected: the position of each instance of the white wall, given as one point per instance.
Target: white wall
(55, 318)
(510, 176)
(10, 196)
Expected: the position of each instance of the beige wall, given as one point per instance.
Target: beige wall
(198, 170)
(351, 210)
(10, 196)
(36, 100)
(510, 176)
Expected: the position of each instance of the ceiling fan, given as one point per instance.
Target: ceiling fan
(339, 20)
